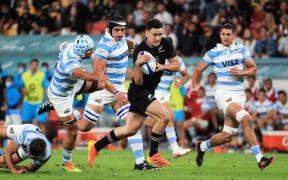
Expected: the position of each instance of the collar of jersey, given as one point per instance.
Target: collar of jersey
(109, 36)
(231, 46)
(72, 52)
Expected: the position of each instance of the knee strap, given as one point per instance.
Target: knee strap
(123, 111)
(230, 130)
(240, 114)
(91, 115)
(68, 122)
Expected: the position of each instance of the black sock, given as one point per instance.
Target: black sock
(110, 138)
(155, 140)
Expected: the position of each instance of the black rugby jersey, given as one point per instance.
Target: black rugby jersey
(164, 51)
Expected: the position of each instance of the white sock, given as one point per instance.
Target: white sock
(172, 138)
(137, 147)
(67, 156)
(205, 145)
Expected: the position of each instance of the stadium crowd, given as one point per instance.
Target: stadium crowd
(262, 26)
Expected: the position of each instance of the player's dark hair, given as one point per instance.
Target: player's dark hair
(212, 74)
(253, 77)
(45, 64)
(34, 60)
(10, 77)
(262, 90)
(153, 23)
(37, 147)
(201, 88)
(248, 90)
(282, 92)
(267, 80)
(21, 64)
(228, 26)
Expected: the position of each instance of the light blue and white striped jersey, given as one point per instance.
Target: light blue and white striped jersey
(210, 95)
(116, 55)
(28, 134)
(62, 83)
(167, 77)
(224, 58)
(205, 104)
(262, 108)
(281, 109)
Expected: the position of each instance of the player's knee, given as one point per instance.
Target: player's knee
(91, 116)
(241, 115)
(132, 132)
(227, 137)
(122, 112)
(228, 132)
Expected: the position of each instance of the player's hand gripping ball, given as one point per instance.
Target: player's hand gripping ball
(148, 67)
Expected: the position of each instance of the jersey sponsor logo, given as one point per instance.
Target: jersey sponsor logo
(12, 131)
(67, 110)
(230, 63)
(229, 99)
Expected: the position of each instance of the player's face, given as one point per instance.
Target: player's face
(261, 96)
(118, 33)
(88, 53)
(248, 95)
(212, 79)
(34, 66)
(200, 93)
(226, 36)
(282, 98)
(251, 81)
(154, 36)
(268, 84)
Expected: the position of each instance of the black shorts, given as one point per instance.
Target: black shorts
(140, 99)
(2, 115)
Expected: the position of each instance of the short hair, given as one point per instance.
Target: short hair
(45, 64)
(153, 23)
(212, 74)
(34, 60)
(228, 26)
(21, 64)
(201, 88)
(252, 76)
(262, 90)
(267, 80)
(248, 90)
(264, 27)
(282, 92)
(37, 147)
(10, 77)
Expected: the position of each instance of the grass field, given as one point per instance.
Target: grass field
(119, 165)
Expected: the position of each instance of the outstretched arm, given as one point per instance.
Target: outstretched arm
(250, 71)
(184, 79)
(173, 66)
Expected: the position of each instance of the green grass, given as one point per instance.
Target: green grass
(119, 165)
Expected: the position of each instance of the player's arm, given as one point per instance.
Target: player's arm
(173, 66)
(10, 150)
(250, 71)
(196, 76)
(137, 73)
(184, 79)
(130, 44)
(99, 68)
(80, 73)
(202, 114)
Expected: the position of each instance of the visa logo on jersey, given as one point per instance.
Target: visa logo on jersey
(233, 62)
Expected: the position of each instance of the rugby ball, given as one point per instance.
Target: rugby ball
(148, 67)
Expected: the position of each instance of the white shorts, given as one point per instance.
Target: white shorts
(12, 132)
(103, 97)
(64, 105)
(162, 96)
(224, 98)
(203, 124)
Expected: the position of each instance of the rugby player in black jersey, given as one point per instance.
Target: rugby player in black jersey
(141, 93)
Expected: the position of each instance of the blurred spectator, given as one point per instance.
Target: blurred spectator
(283, 26)
(128, 80)
(7, 18)
(123, 7)
(70, 23)
(13, 113)
(253, 86)
(200, 115)
(265, 45)
(262, 112)
(145, 17)
(178, 26)
(168, 32)
(239, 33)
(21, 68)
(45, 70)
(177, 105)
(164, 16)
(271, 92)
(130, 20)
(209, 39)
(281, 110)
(25, 17)
(109, 10)
(249, 99)
(269, 22)
(138, 13)
(35, 86)
(3, 73)
(55, 16)
(283, 10)
(271, 6)
(150, 6)
(216, 19)
(191, 47)
(195, 19)
(248, 41)
(132, 35)
(283, 45)
(95, 10)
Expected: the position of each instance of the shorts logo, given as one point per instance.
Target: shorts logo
(67, 110)
(12, 131)
(162, 98)
(229, 99)
(98, 100)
